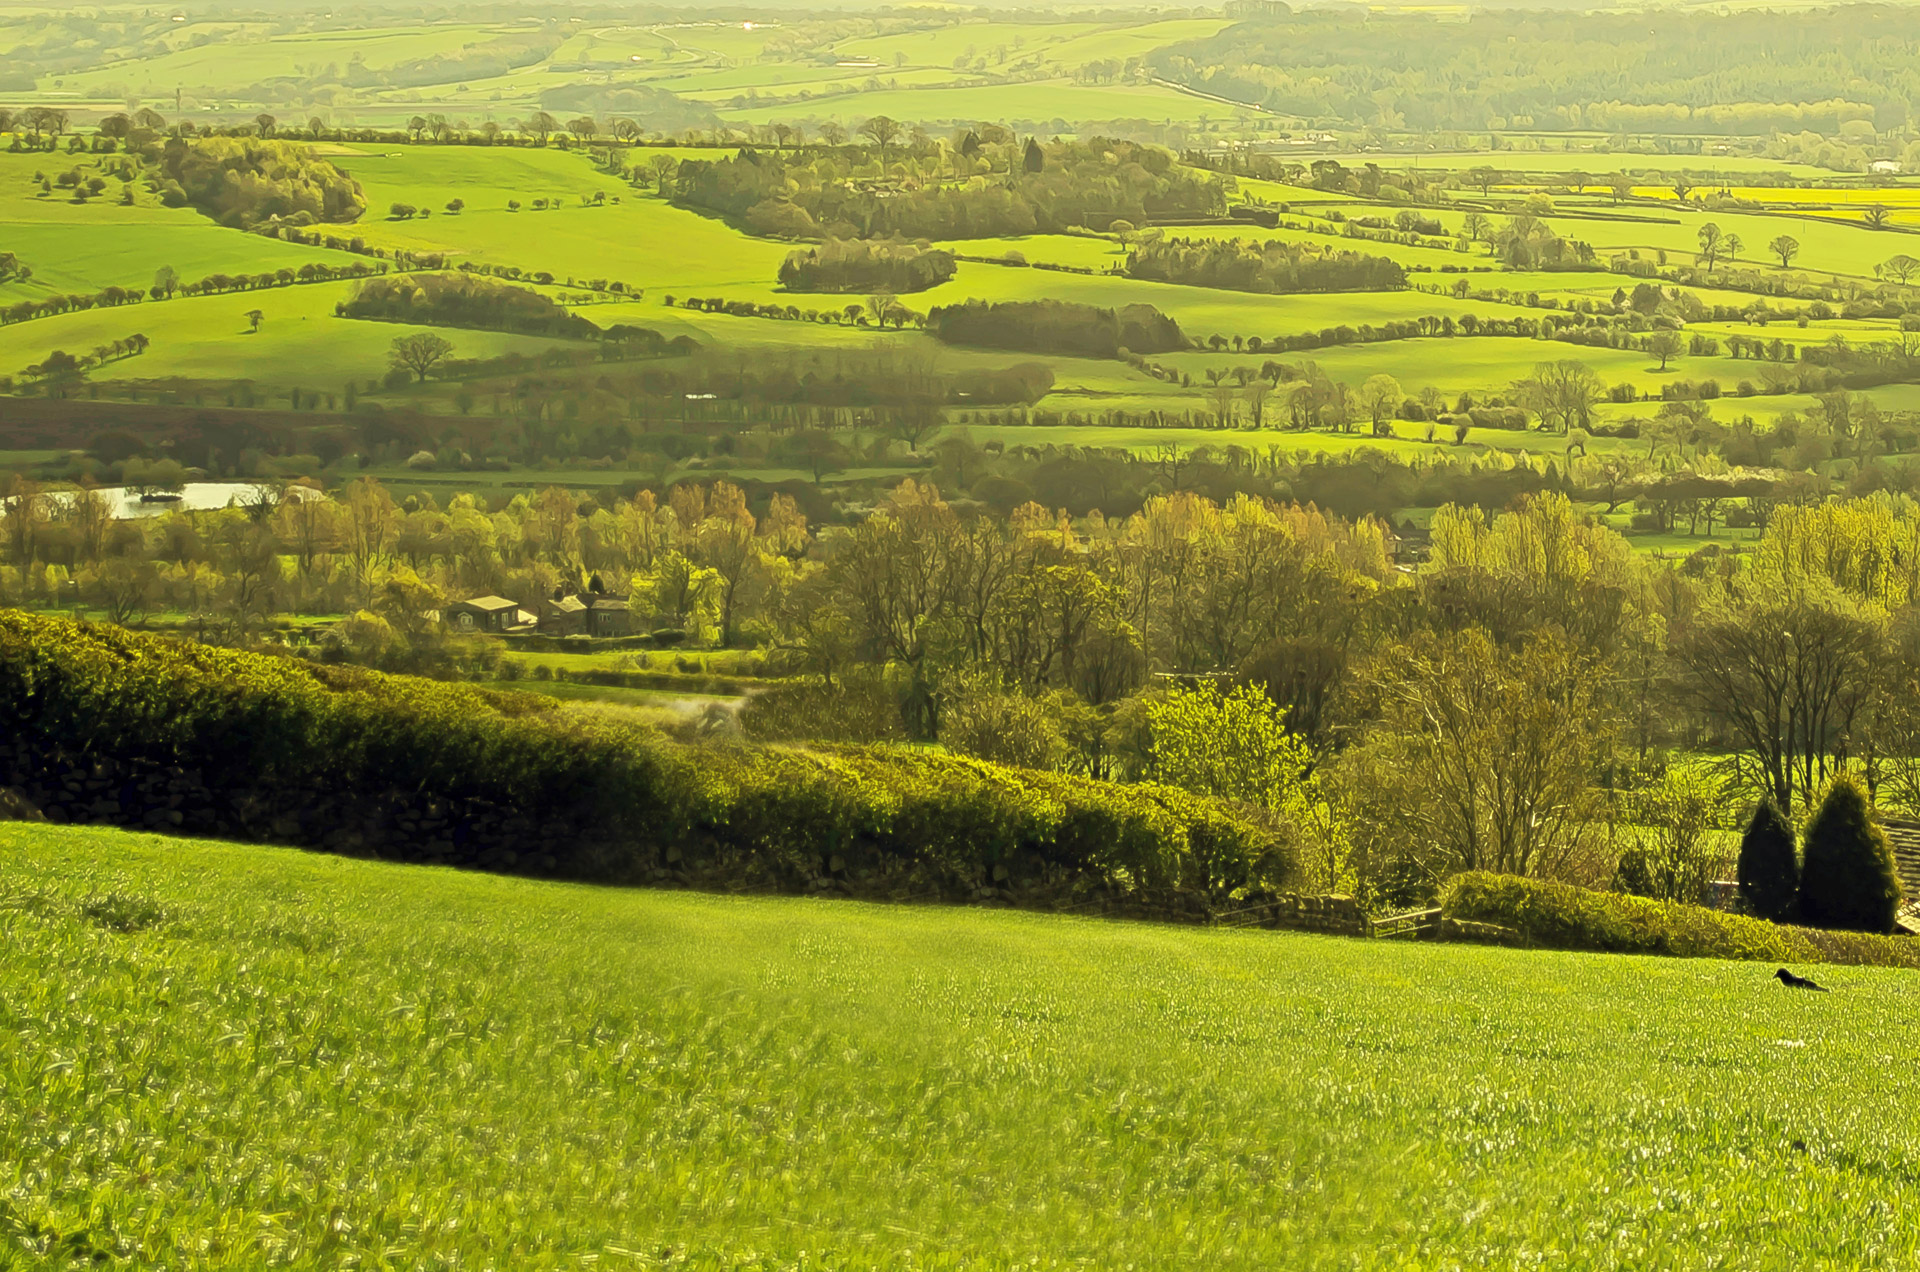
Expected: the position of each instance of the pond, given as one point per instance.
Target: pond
(195, 496)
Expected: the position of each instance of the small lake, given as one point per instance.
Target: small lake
(195, 496)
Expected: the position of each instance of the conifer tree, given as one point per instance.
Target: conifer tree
(1768, 873)
(1847, 877)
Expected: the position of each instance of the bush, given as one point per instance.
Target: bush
(617, 797)
(1847, 875)
(1768, 873)
(862, 709)
(1674, 860)
(1561, 916)
(1007, 728)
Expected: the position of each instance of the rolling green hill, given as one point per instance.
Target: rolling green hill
(235, 1057)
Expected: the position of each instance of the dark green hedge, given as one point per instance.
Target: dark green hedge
(281, 722)
(1561, 916)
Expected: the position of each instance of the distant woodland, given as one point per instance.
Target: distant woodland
(1742, 74)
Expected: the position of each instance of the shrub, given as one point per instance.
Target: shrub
(1565, 917)
(1675, 861)
(1847, 876)
(1561, 916)
(861, 709)
(1768, 873)
(1235, 745)
(1007, 728)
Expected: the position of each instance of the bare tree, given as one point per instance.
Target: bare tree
(1784, 666)
(420, 352)
(1899, 268)
(881, 131)
(1561, 393)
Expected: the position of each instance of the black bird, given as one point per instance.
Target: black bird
(1791, 981)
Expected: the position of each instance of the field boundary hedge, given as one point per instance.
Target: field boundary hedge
(101, 724)
(1562, 916)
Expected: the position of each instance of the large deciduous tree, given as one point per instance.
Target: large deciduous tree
(420, 352)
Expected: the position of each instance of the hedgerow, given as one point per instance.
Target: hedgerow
(1561, 916)
(627, 794)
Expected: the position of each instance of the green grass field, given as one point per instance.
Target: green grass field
(241, 1057)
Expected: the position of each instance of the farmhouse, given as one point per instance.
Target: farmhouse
(589, 613)
(488, 614)
(563, 616)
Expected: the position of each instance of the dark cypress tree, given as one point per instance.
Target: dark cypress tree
(1847, 877)
(1768, 873)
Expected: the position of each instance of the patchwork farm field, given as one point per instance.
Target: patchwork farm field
(580, 199)
(223, 1056)
(578, 219)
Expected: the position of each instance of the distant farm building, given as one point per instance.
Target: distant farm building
(489, 614)
(590, 613)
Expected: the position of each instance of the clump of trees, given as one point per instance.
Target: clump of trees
(13, 269)
(866, 265)
(1057, 326)
(887, 190)
(1276, 266)
(463, 300)
(243, 181)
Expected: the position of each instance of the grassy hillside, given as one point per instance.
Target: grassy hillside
(224, 1057)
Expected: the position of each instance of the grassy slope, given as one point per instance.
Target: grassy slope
(302, 1059)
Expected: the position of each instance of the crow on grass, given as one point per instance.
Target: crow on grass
(1791, 981)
